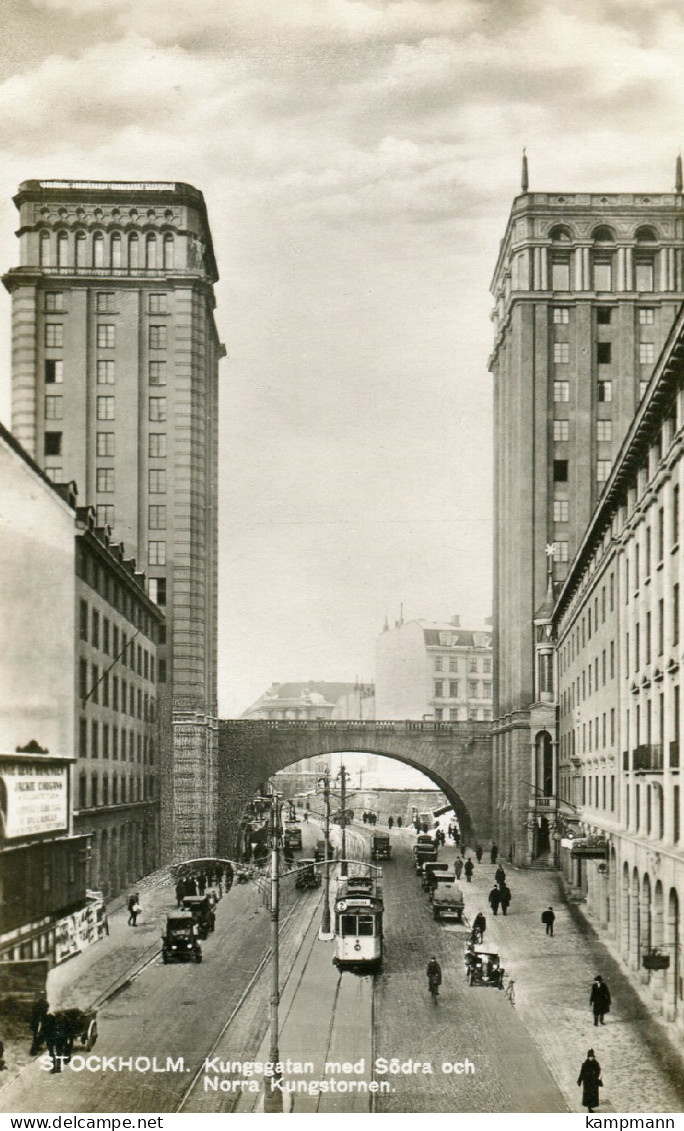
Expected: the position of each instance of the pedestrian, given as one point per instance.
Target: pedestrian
(134, 909)
(398, 822)
(500, 876)
(478, 852)
(390, 822)
(493, 853)
(202, 883)
(479, 925)
(548, 918)
(3, 1064)
(494, 900)
(599, 999)
(180, 892)
(590, 1079)
(469, 868)
(504, 898)
(55, 1040)
(39, 1011)
(458, 866)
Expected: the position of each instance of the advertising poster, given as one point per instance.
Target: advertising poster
(341, 559)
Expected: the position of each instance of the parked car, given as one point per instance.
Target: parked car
(202, 911)
(179, 941)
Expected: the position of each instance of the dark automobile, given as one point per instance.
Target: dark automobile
(381, 849)
(319, 850)
(483, 967)
(179, 941)
(292, 837)
(307, 876)
(202, 912)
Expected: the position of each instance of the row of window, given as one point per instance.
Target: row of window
(602, 272)
(604, 352)
(561, 315)
(449, 689)
(589, 680)
(646, 631)
(94, 687)
(104, 480)
(646, 564)
(561, 430)
(157, 336)
(97, 630)
(157, 250)
(105, 408)
(561, 470)
(105, 444)
(453, 664)
(446, 714)
(105, 303)
(99, 578)
(125, 790)
(604, 391)
(107, 741)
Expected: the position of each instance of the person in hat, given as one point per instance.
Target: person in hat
(599, 999)
(590, 1079)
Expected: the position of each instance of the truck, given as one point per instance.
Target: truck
(447, 899)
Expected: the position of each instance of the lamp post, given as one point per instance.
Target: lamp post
(343, 775)
(325, 932)
(273, 1098)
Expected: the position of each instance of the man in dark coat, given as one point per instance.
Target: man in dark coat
(493, 853)
(548, 918)
(504, 898)
(590, 1079)
(469, 868)
(478, 852)
(39, 1011)
(494, 900)
(599, 999)
(56, 1040)
(500, 876)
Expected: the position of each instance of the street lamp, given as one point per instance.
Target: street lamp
(343, 775)
(325, 932)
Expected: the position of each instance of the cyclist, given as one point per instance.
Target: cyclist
(479, 927)
(434, 975)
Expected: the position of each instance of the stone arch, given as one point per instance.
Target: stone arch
(543, 760)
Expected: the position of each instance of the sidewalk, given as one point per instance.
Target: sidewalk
(642, 1064)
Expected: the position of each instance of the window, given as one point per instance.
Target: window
(157, 337)
(83, 622)
(105, 336)
(105, 479)
(161, 671)
(105, 302)
(54, 474)
(561, 510)
(453, 689)
(646, 353)
(80, 249)
(98, 250)
(603, 315)
(157, 444)
(605, 391)
(603, 274)
(157, 408)
(561, 430)
(453, 664)
(105, 372)
(105, 514)
(561, 352)
(53, 408)
(603, 469)
(675, 515)
(105, 443)
(439, 685)
(560, 273)
(105, 408)
(54, 300)
(54, 372)
(646, 316)
(157, 373)
(561, 549)
(54, 335)
(44, 249)
(561, 315)
(660, 535)
(168, 251)
(52, 444)
(157, 517)
(486, 665)
(603, 353)
(561, 391)
(156, 555)
(643, 270)
(438, 663)
(151, 251)
(115, 249)
(133, 251)
(157, 304)
(604, 430)
(473, 689)
(157, 481)
(105, 639)
(62, 249)
(560, 471)
(95, 629)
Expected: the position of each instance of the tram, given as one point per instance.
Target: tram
(358, 925)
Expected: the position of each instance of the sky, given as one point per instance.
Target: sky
(359, 159)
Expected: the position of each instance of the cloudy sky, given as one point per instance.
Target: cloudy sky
(359, 159)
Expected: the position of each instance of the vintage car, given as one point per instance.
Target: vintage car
(307, 875)
(179, 941)
(422, 853)
(431, 869)
(292, 837)
(202, 911)
(319, 851)
(447, 898)
(381, 849)
(483, 966)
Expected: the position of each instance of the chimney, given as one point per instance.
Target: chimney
(456, 622)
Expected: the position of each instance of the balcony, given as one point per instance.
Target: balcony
(648, 759)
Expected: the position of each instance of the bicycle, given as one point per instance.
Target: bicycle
(509, 990)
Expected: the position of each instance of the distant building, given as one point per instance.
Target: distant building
(313, 700)
(433, 670)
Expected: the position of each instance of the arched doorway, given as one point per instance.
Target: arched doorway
(625, 917)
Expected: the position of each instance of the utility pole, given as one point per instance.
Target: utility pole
(343, 801)
(324, 932)
(273, 1098)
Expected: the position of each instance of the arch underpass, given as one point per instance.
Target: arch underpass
(455, 756)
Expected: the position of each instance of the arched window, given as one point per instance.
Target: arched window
(133, 251)
(62, 249)
(98, 250)
(44, 249)
(151, 251)
(168, 252)
(603, 234)
(646, 234)
(80, 249)
(560, 234)
(115, 249)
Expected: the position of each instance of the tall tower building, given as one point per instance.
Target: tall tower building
(586, 289)
(115, 385)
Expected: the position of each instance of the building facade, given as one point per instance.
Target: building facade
(433, 670)
(586, 287)
(617, 626)
(115, 385)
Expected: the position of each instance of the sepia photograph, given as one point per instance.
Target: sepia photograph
(341, 544)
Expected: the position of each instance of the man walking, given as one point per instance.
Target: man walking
(600, 999)
(493, 853)
(548, 918)
(504, 898)
(494, 898)
(469, 868)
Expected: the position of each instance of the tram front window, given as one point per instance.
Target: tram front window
(348, 924)
(365, 924)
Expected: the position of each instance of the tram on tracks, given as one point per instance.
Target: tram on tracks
(358, 925)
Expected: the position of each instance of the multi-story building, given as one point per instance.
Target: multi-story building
(618, 631)
(313, 700)
(116, 792)
(586, 286)
(433, 670)
(115, 385)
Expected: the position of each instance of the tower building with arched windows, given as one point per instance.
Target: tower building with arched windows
(115, 386)
(586, 287)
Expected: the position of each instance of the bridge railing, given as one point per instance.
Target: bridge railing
(413, 725)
